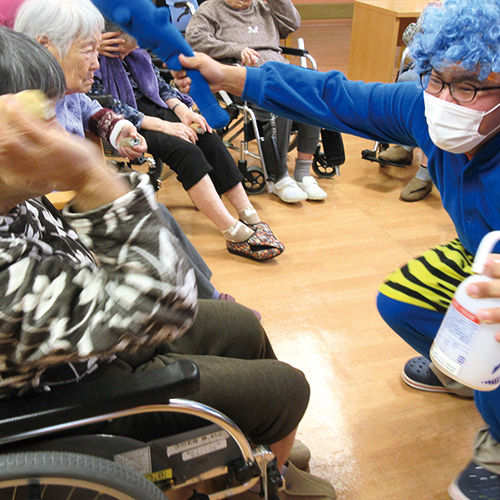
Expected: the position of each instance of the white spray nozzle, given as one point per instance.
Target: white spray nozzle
(484, 249)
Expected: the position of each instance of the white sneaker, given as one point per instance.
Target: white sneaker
(287, 190)
(310, 186)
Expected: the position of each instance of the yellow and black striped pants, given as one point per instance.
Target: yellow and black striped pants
(430, 281)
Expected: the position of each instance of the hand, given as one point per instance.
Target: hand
(179, 130)
(189, 117)
(219, 76)
(249, 57)
(111, 44)
(491, 289)
(130, 132)
(170, 128)
(38, 158)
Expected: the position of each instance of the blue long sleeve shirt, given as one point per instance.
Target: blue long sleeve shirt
(393, 113)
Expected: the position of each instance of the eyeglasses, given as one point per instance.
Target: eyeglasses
(460, 91)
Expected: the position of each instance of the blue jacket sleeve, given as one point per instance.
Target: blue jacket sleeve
(385, 112)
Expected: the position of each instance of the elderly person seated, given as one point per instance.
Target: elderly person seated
(82, 298)
(75, 49)
(250, 31)
(203, 164)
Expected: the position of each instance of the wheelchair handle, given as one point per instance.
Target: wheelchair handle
(152, 29)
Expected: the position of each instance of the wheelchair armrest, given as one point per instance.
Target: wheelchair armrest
(105, 100)
(292, 51)
(230, 61)
(70, 402)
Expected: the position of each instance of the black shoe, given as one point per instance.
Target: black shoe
(417, 374)
(475, 483)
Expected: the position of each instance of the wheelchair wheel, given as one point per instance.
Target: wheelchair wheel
(72, 476)
(321, 167)
(254, 181)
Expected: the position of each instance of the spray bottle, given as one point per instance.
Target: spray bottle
(465, 349)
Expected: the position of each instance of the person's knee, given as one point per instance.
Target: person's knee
(416, 325)
(239, 332)
(184, 159)
(386, 309)
(281, 393)
(299, 390)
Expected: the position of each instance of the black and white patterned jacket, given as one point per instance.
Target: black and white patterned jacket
(78, 288)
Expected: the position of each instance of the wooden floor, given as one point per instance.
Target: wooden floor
(372, 436)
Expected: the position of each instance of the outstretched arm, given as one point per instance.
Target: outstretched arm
(35, 158)
(219, 76)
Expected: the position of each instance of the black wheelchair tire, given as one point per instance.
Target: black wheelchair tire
(54, 471)
(255, 180)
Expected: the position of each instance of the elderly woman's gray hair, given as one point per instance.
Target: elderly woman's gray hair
(61, 21)
(26, 65)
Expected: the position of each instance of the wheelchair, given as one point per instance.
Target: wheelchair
(244, 125)
(48, 450)
(180, 11)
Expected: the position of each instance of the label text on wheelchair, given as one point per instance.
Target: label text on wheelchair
(204, 450)
(188, 447)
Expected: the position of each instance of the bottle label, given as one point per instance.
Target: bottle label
(454, 339)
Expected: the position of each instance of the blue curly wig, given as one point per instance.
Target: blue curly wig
(459, 33)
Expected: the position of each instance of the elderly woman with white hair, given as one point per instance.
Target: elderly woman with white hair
(72, 36)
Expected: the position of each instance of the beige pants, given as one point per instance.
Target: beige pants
(486, 451)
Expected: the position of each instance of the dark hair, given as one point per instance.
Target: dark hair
(25, 64)
(111, 26)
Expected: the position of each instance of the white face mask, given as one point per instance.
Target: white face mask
(452, 127)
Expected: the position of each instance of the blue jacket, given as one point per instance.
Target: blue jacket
(393, 113)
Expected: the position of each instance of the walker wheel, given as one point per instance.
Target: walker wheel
(254, 181)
